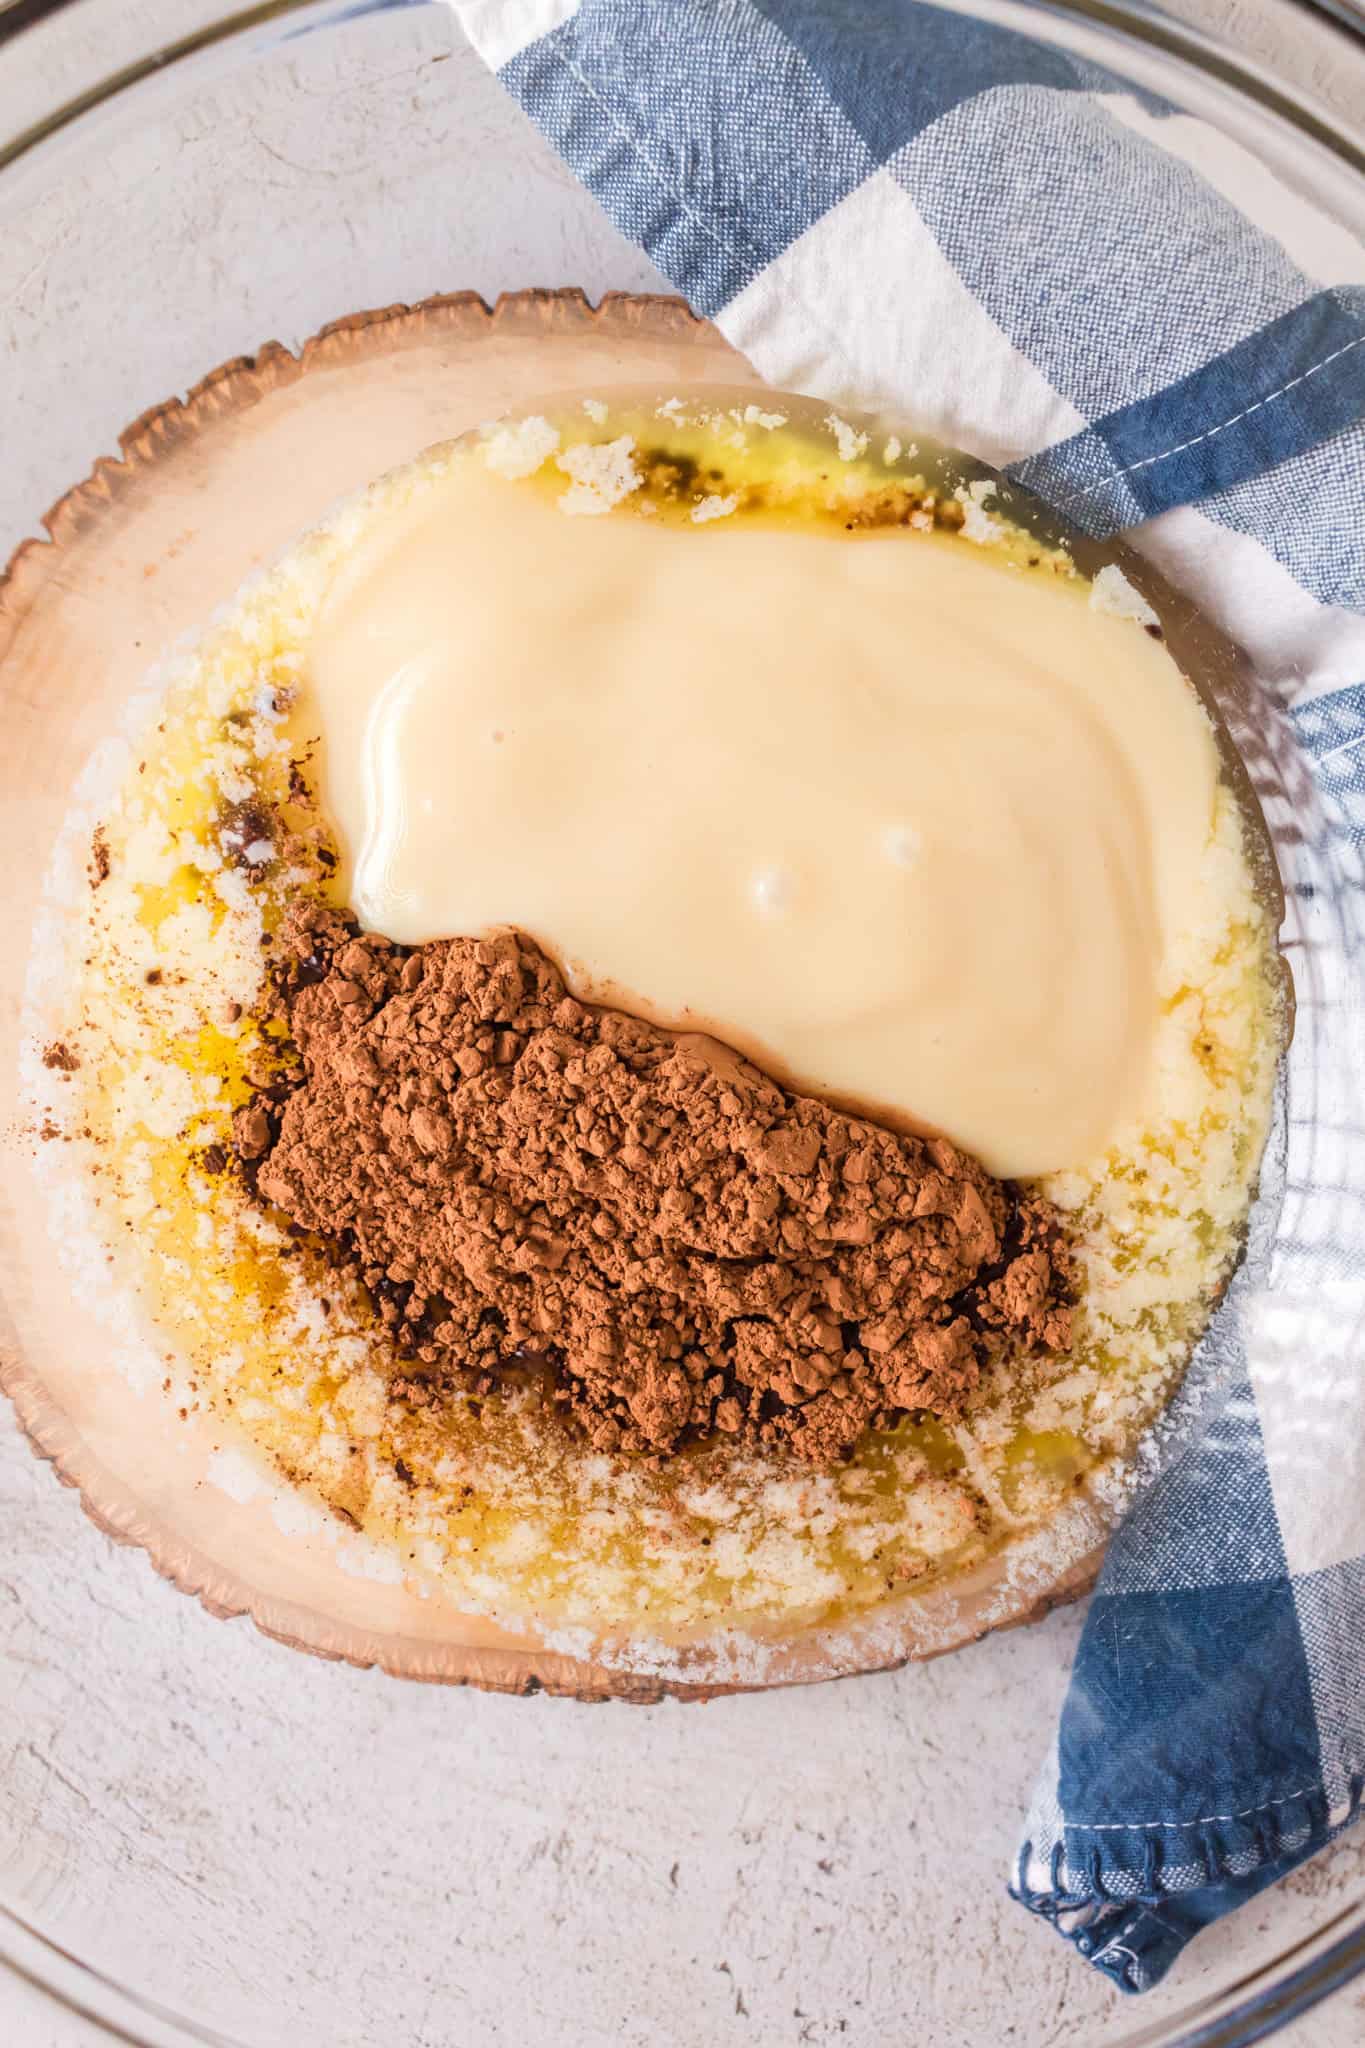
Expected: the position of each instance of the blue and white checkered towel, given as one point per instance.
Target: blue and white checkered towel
(888, 203)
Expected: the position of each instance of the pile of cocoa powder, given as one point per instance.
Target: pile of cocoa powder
(675, 1243)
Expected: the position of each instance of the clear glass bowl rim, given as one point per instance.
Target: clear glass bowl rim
(1266, 1998)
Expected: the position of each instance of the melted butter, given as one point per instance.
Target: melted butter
(495, 1505)
(909, 824)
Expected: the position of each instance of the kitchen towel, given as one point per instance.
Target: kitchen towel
(1037, 256)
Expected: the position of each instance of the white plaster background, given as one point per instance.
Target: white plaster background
(312, 1855)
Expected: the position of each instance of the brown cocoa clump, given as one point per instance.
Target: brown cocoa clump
(679, 1244)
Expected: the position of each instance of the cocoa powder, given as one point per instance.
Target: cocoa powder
(678, 1245)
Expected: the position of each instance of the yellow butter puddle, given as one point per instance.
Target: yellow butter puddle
(493, 1500)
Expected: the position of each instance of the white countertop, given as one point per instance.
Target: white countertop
(760, 1871)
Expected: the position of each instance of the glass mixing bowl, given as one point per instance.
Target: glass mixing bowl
(203, 1835)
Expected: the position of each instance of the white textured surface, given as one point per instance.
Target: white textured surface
(322, 1856)
(818, 1866)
